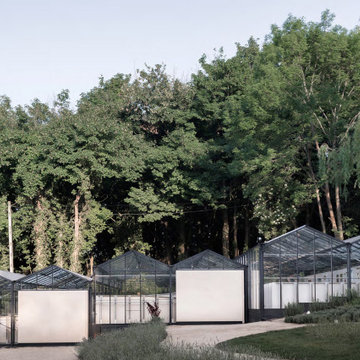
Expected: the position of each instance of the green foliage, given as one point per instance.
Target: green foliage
(135, 342)
(250, 146)
(347, 313)
(141, 341)
(292, 309)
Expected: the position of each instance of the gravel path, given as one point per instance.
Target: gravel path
(213, 334)
(38, 353)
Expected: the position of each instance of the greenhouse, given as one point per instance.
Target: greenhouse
(7, 301)
(125, 286)
(205, 287)
(49, 306)
(301, 266)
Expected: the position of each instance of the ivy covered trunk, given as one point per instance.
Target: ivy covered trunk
(75, 257)
(225, 233)
(41, 256)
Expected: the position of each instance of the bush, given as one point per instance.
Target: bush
(132, 343)
(143, 341)
(347, 313)
(292, 309)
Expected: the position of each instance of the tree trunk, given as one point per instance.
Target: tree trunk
(331, 210)
(317, 191)
(75, 256)
(60, 250)
(182, 238)
(167, 242)
(225, 233)
(338, 213)
(41, 260)
(321, 215)
(91, 265)
(235, 233)
(11, 247)
(247, 231)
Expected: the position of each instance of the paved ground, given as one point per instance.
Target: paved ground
(191, 334)
(212, 334)
(38, 353)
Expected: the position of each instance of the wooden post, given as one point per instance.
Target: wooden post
(11, 251)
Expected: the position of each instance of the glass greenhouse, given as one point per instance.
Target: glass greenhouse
(207, 260)
(7, 301)
(30, 305)
(302, 266)
(54, 277)
(125, 285)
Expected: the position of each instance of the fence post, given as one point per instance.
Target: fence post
(170, 296)
(348, 268)
(12, 310)
(261, 280)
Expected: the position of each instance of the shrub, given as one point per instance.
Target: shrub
(132, 343)
(347, 313)
(292, 309)
(143, 341)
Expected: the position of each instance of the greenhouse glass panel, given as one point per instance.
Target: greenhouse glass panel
(128, 285)
(303, 265)
(7, 298)
(355, 262)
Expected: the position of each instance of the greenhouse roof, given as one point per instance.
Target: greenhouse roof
(131, 261)
(208, 259)
(6, 278)
(353, 239)
(355, 248)
(54, 277)
(301, 245)
(304, 236)
(7, 275)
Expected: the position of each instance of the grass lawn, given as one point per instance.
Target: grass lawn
(316, 342)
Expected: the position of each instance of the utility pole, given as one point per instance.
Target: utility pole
(11, 252)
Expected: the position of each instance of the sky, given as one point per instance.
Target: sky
(51, 45)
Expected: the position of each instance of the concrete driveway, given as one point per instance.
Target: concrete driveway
(38, 353)
(213, 334)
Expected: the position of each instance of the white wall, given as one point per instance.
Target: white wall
(52, 316)
(209, 295)
(307, 293)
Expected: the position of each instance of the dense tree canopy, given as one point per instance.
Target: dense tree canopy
(253, 145)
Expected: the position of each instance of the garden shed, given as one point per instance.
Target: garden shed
(7, 300)
(52, 306)
(302, 266)
(210, 288)
(125, 285)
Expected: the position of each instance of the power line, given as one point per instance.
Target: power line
(171, 212)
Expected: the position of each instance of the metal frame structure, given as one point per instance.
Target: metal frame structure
(135, 277)
(51, 278)
(7, 305)
(304, 259)
(208, 260)
(128, 282)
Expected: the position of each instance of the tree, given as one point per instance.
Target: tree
(320, 63)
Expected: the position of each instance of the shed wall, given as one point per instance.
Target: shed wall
(209, 296)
